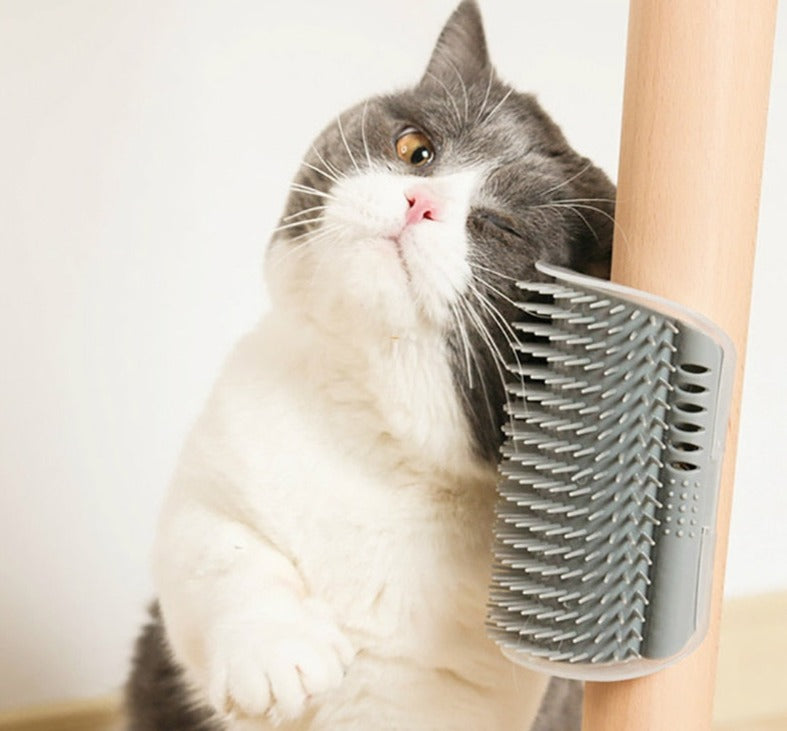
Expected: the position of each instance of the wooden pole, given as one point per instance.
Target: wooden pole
(695, 103)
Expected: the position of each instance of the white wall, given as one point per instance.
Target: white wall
(145, 150)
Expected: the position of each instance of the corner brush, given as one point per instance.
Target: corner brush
(609, 478)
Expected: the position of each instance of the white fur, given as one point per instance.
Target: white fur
(323, 556)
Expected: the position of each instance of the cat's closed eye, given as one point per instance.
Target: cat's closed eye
(500, 223)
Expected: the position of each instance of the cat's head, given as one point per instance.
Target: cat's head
(414, 212)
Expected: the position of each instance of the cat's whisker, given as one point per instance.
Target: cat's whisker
(496, 360)
(486, 96)
(505, 328)
(304, 212)
(462, 328)
(590, 208)
(304, 222)
(465, 307)
(568, 180)
(346, 146)
(498, 105)
(317, 275)
(363, 134)
(274, 262)
(576, 213)
(321, 230)
(583, 200)
(497, 291)
(494, 351)
(329, 166)
(493, 271)
(606, 215)
(465, 344)
(278, 259)
(495, 314)
(308, 190)
(450, 97)
(508, 333)
(300, 248)
(320, 171)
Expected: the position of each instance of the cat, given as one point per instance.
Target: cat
(324, 552)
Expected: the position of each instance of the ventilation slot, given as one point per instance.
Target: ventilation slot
(693, 369)
(683, 466)
(685, 447)
(691, 388)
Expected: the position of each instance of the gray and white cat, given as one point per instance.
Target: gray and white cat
(323, 555)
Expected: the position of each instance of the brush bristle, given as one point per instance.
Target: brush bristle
(580, 476)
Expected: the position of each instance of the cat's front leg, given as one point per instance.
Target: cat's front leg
(240, 619)
(271, 660)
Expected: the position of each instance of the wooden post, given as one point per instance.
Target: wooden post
(695, 103)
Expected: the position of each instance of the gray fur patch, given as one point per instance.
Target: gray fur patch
(561, 709)
(157, 696)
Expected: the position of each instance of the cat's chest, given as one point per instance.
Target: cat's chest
(387, 538)
(400, 556)
(395, 499)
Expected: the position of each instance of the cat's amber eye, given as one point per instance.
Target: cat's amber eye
(414, 147)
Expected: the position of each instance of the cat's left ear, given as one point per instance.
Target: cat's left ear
(460, 51)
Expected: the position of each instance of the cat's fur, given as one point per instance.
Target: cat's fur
(323, 556)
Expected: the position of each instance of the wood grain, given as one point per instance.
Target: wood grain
(695, 105)
(99, 714)
(752, 677)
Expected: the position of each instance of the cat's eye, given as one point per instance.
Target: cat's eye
(500, 223)
(414, 147)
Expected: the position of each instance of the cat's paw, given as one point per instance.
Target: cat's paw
(273, 665)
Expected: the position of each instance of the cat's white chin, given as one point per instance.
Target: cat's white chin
(370, 264)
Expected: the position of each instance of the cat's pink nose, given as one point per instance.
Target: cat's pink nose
(423, 205)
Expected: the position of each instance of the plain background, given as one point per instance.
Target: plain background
(145, 151)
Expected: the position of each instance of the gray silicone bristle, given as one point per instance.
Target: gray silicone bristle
(608, 484)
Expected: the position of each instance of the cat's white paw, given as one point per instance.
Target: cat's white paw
(272, 666)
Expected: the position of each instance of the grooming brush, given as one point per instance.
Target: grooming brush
(609, 477)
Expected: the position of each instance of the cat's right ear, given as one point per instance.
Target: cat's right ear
(460, 51)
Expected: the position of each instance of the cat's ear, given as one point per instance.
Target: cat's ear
(460, 51)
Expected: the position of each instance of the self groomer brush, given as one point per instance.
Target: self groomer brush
(609, 477)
